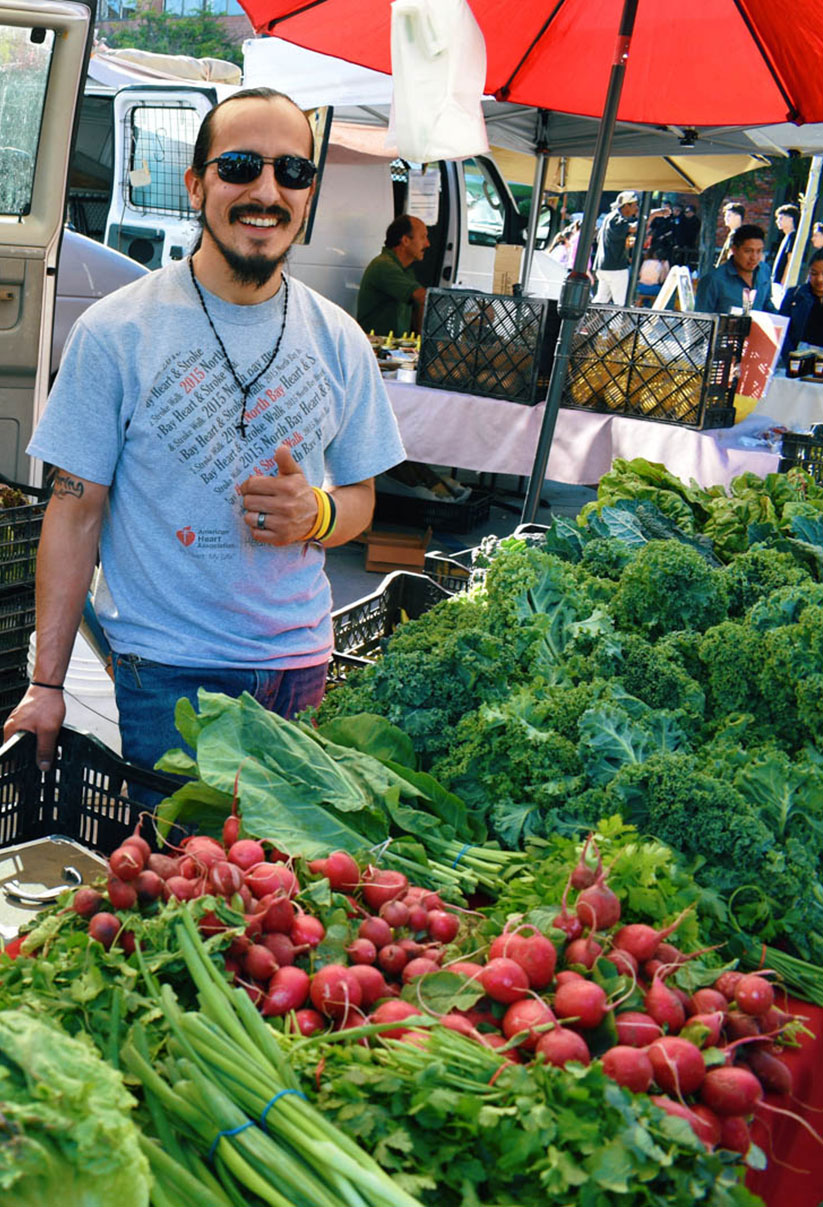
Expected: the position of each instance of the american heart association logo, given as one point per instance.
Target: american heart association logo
(185, 536)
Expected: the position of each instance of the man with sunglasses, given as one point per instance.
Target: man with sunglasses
(216, 424)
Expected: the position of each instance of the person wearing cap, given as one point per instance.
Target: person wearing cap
(611, 264)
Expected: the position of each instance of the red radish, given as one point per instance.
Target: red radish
(164, 865)
(629, 1067)
(740, 1026)
(636, 1029)
(465, 968)
(583, 952)
(582, 875)
(442, 926)
(127, 941)
(412, 948)
(418, 916)
(180, 888)
(288, 990)
(754, 994)
(205, 850)
(280, 913)
(392, 958)
(535, 954)
(245, 852)
(231, 830)
(239, 945)
(568, 923)
(395, 913)
(372, 985)
(706, 1125)
(460, 1024)
(225, 878)
(376, 930)
(504, 980)
(139, 841)
(480, 1017)
(598, 907)
(259, 963)
(334, 991)
(433, 951)
(726, 982)
(643, 941)
(772, 1073)
(127, 862)
(210, 924)
(361, 951)
(704, 1001)
(149, 886)
(525, 1016)
(104, 928)
(560, 1045)
(704, 1030)
(669, 954)
(381, 885)
(678, 1065)
(342, 872)
(309, 1022)
(417, 968)
(281, 947)
(190, 867)
(568, 974)
(86, 902)
(498, 1041)
(731, 1090)
(583, 1002)
(681, 1111)
(623, 961)
(734, 1134)
(664, 1006)
(393, 1012)
(307, 931)
(121, 893)
(265, 878)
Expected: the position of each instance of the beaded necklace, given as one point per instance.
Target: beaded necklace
(245, 389)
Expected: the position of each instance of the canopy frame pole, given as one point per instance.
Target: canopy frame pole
(637, 250)
(541, 167)
(804, 226)
(576, 290)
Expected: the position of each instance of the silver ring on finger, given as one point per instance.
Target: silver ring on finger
(261, 519)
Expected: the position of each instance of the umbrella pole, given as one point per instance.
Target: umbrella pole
(637, 250)
(576, 290)
(540, 169)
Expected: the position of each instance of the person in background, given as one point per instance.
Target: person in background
(686, 236)
(559, 247)
(390, 297)
(804, 306)
(653, 272)
(816, 236)
(662, 233)
(611, 259)
(733, 215)
(788, 217)
(216, 425)
(743, 282)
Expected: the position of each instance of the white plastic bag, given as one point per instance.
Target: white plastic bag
(439, 72)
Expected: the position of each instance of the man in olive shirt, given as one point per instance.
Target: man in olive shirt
(390, 297)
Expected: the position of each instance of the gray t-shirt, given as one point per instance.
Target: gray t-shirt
(145, 403)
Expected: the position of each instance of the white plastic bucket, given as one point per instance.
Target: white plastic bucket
(89, 693)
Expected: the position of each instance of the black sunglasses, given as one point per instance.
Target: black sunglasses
(242, 167)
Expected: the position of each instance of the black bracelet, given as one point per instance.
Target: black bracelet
(55, 687)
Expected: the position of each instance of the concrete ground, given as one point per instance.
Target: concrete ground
(346, 565)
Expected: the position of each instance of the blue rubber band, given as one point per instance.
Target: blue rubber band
(272, 1101)
(229, 1131)
(466, 847)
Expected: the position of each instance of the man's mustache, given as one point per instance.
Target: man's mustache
(238, 212)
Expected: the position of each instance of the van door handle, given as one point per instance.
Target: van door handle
(7, 295)
(447, 273)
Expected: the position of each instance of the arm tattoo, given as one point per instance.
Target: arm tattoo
(64, 485)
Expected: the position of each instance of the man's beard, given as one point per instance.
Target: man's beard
(256, 270)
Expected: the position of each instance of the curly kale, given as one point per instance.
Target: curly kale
(651, 672)
(791, 655)
(785, 605)
(757, 573)
(732, 657)
(669, 586)
(605, 557)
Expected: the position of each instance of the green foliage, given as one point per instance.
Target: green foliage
(669, 586)
(732, 656)
(757, 573)
(201, 36)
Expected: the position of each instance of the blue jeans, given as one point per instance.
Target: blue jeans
(147, 693)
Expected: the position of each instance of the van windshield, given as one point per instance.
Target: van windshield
(25, 59)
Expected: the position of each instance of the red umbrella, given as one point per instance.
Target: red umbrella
(699, 63)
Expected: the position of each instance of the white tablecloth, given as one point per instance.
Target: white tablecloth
(794, 403)
(495, 436)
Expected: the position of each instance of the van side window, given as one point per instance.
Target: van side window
(25, 55)
(485, 208)
(161, 144)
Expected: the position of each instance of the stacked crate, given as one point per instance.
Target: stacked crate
(19, 535)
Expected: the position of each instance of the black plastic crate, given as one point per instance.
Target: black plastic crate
(361, 629)
(85, 795)
(453, 572)
(12, 688)
(490, 344)
(16, 625)
(431, 513)
(20, 534)
(661, 365)
(805, 451)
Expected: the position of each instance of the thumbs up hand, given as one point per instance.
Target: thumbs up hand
(279, 510)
